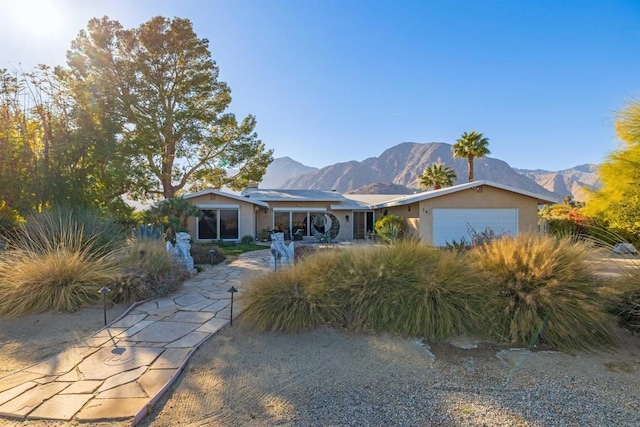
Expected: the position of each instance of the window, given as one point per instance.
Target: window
(295, 221)
(218, 224)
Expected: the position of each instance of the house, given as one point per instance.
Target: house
(436, 217)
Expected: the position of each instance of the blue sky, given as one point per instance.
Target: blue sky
(333, 81)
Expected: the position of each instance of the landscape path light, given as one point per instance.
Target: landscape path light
(104, 292)
(232, 290)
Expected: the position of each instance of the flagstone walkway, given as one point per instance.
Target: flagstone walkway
(121, 371)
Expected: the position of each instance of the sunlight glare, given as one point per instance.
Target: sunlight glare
(37, 18)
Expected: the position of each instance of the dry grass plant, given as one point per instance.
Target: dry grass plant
(59, 275)
(406, 288)
(545, 287)
(147, 271)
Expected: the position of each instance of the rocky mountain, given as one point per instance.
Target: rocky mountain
(576, 181)
(282, 169)
(402, 164)
(383, 188)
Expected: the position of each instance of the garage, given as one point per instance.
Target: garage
(455, 224)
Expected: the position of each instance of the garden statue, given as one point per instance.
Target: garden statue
(279, 251)
(181, 250)
(325, 227)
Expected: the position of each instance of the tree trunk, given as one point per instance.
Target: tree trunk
(471, 176)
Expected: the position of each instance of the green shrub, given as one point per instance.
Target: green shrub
(247, 240)
(544, 286)
(10, 220)
(390, 228)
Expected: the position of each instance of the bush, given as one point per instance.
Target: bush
(628, 310)
(287, 301)
(201, 254)
(407, 288)
(544, 287)
(247, 240)
(59, 276)
(390, 228)
(148, 271)
(68, 225)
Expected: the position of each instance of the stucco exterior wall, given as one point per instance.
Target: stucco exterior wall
(246, 217)
(411, 214)
(486, 198)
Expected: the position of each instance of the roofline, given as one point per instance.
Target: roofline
(413, 198)
(229, 195)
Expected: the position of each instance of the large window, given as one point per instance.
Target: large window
(218, 224)
(295, 221)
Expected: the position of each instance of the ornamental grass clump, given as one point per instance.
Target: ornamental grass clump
(414, 290)
(544, 288)
(405, 288)
(294, 299)
(54, 276)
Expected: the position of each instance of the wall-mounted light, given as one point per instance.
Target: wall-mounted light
(384, 213)
(347, 217)
(409, 208)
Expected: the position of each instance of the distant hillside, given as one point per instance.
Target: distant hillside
(576, 181)
(402, 164)
(383, 188)
(282, 169)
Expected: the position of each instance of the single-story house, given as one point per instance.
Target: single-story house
(436, 217)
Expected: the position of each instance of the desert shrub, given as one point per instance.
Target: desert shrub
(390, 228)
(69, 225)
(628, 309)
(54, 278)
(412, 289)
(302, 251)
(247, 239)
(147, 271)
(544, 287)
(148, 231)
(287, 301)
(201, 254)
(406, 288)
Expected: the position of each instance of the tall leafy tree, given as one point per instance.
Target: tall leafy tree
(617, 202)
(471, 145)
(159, 83)
(437, 176)
(55, 147)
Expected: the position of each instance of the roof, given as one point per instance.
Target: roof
(274, 195)
(228, 195)
(339, 201)
(425, 195)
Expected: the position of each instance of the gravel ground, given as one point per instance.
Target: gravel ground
(330, 378)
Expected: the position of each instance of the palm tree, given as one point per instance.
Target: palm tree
(437, 176)
(470, 146)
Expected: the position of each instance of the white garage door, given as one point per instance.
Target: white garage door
(454, 224)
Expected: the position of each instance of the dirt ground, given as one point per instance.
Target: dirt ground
(330, 377)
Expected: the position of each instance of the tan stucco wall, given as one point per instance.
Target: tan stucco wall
(246, 217)
(411, 214)
(488, 198)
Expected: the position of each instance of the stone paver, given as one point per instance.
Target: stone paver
(123, 369)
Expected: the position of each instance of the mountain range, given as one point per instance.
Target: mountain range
(396, 170)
